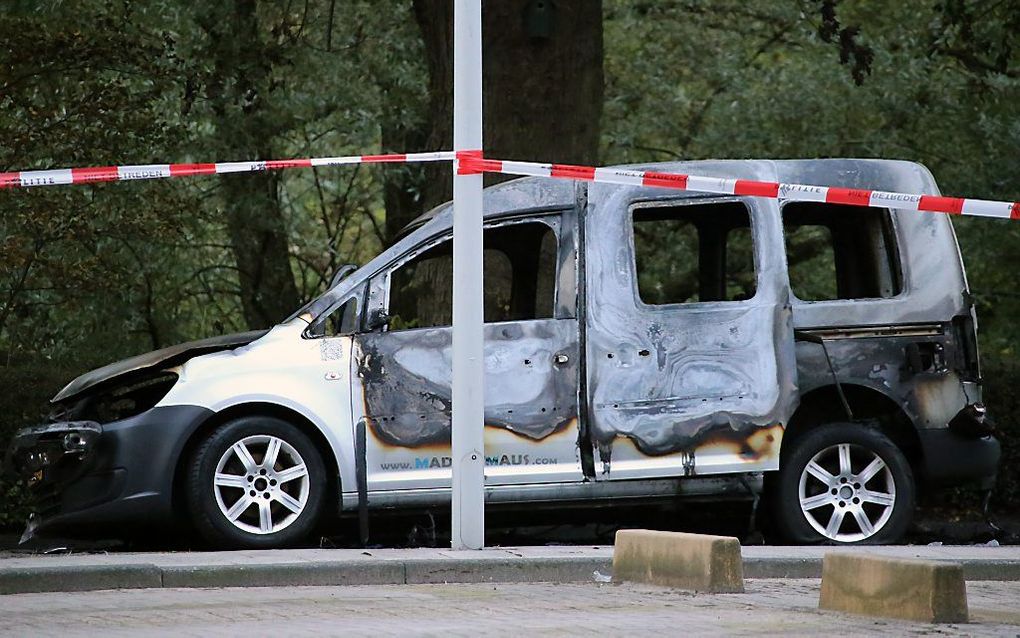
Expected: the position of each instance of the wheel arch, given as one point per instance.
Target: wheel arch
(295, 418)
(869, 406)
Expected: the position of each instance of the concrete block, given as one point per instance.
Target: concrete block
(925, 591)
(673, 559)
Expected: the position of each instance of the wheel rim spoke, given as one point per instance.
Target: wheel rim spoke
(291, 473)
(230, 480)
(265, 517)
(289, 502)
(869, 472)
(879, 498)
(835, 521)
(820, 473)
(863, 522)
(272, 451)
(241, 450)
(239, 507)
(844, 459)
(814, 502)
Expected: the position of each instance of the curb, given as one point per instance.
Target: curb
(26, 580)
(782, 568)
(285, 574)
(505, 570)
(973, 569)
(71, 578)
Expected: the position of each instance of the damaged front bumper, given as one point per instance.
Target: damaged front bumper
(46, 452)
(83, 474)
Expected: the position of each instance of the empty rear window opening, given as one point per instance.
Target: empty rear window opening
(840, 252)
(694, 252)
(520, 279)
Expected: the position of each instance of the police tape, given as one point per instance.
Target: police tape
(161, 171)
(473, 162)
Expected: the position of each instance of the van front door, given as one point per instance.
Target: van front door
(689, 337)
(402, 373)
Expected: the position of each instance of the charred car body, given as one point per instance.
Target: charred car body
(640, 343)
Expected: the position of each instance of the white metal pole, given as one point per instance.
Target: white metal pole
(468, 525)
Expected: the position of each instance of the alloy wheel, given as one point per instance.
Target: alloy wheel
(261, 484)
(847, 492)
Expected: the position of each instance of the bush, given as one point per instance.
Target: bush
(27, 388)
(1002, 378)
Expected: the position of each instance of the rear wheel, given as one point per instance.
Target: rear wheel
(256, 482)
(844, 484)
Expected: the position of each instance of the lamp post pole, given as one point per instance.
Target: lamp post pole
(468, 520)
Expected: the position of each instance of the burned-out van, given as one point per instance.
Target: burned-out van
(640, 343)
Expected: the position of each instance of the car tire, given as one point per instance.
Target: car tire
(255, 482)
(843, 484)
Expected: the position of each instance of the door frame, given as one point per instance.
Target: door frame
(562, 221)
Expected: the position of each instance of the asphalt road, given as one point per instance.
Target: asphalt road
(769, 607)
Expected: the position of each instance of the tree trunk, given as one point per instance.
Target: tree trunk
(543, 85)
(259, 240)
(239, 89)
(402, 186)
(543, 90)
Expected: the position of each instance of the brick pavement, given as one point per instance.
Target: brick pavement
(770, 607)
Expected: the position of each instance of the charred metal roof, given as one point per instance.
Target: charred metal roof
(518, 195)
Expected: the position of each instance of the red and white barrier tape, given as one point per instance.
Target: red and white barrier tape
(474, 162)
(160, 171)
(471, 162)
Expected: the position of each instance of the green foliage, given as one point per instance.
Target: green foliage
(25, 400)
(1002, 377)
(91, 274)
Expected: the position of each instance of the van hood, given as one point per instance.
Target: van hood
(165, 357)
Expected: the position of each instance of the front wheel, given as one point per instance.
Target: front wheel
(844, 483)
(256, 482)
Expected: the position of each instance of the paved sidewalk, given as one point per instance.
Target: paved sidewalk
(769, 608)
(83, 572)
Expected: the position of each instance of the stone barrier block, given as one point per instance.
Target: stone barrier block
(694, 562)
(926, 591)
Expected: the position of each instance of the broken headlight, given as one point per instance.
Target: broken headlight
(121, 401)
(38, 448)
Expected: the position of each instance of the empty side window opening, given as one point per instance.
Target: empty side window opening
(694, 252)
(343, 320)
(520, 279)
(840, 252)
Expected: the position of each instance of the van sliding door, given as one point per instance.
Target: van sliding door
(690, 353)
